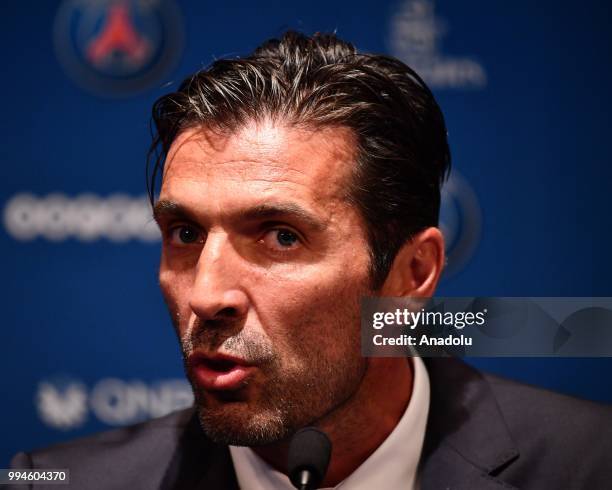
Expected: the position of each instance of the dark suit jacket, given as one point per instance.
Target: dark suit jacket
(483, 433)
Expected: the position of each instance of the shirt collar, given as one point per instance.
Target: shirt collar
(392, 466)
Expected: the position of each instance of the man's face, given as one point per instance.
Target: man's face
(263, 267)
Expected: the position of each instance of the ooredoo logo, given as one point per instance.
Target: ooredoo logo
(86, 218)
(118, 47)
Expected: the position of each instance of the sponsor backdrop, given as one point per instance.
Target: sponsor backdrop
(86, 340)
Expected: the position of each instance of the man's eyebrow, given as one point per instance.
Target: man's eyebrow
(164, 208)
(282, 210)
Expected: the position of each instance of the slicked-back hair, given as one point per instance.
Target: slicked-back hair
(401, 151)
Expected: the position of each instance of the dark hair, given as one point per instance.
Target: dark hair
(401, 155)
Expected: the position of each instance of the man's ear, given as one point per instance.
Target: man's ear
(417, 266)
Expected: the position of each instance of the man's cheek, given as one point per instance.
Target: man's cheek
(291, 306)
(175, 286)
(176, 296)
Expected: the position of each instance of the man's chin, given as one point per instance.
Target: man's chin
(240, 424)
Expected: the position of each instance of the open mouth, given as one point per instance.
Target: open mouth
(219, 373)
(219, 365)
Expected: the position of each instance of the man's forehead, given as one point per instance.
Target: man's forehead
(264, 151)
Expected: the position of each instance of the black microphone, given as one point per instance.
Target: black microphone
(309, 453)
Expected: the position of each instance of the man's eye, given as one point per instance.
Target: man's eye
(184, 235)
(281, 239)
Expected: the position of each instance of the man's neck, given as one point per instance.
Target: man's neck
(362, 423)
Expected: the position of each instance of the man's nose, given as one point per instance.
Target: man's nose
(216, 295)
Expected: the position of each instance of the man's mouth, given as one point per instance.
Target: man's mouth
(217, 372)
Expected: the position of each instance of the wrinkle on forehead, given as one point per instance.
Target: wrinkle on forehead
(267, 152)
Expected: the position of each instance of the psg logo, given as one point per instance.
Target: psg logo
(460, 222)
(118, 47)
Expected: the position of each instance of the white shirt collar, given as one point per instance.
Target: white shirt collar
(392, 466)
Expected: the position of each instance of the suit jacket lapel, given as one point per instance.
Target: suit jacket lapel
(198, 463)
(467, 442)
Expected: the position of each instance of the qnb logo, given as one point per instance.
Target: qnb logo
(87, 217)
(118, 47)
(460, 222)
(63, 404)
(415, 36)
(67, 403)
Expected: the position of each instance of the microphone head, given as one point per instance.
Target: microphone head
(309, 450)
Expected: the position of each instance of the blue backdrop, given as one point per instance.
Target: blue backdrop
(86, 339)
